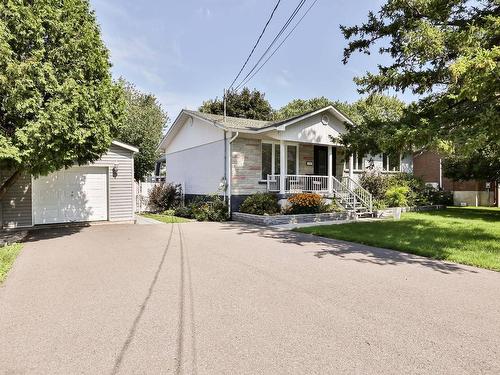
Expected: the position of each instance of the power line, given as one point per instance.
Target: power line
(283, 28)
(277, 48)
(256, 43)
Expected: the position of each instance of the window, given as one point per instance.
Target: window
(270, 152)
(358, 162)
(391, 162)
(267, 160)
(291, 160)
(271, 159)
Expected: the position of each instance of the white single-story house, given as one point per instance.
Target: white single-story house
(237, 157)
(101, 191)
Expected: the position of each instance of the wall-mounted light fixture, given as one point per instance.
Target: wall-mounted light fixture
(115, 170)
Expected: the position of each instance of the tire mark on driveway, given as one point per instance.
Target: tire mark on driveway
(185, 272)
(138, 317)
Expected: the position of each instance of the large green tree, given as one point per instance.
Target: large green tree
(58, 104)
(365, 113)
(447, 52)
(369, 114)
(143, 126)
(299, 106)
(244, 103)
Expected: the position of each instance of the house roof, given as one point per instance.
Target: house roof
(231, 122)
(125, 146)
(250, 124)
(239, 124)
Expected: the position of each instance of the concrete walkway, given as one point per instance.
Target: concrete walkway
(208, 298)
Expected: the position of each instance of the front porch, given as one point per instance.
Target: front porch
(346, 191)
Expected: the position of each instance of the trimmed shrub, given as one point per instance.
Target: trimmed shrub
(165, 196)
(305, 203)
(212, 208)
(261, 204)
(396, 196)
(434, 196)
(184, 211)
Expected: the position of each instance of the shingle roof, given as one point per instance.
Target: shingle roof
(233, 122)
(249, 124)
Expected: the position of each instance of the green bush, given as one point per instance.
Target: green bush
(261, 204)
(379, 204)
(397, 196)
(434, 196)
(164, 197)
(375, 183)
(211, 208)
(184, 211)
(416, 195)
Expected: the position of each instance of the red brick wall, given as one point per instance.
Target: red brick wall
(426, 166)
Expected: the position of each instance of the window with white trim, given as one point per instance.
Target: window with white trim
(391, 162)
(358, 162)
(270, 153)
(291, 159)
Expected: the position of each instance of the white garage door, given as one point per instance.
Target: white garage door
(75, 194)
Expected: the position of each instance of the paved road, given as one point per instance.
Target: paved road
(233, 299)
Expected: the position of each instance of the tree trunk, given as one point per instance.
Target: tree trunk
(9, 182)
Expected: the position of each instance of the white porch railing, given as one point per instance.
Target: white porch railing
(347, 191)
(363, 194)
(298, 183)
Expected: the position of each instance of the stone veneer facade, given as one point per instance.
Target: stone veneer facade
(247, 165)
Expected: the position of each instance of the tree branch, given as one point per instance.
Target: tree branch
(9, 182)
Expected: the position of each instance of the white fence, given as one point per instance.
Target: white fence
(142, 190)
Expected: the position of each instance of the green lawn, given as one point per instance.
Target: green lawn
(8, 255)
(166, 218)
(462, 235)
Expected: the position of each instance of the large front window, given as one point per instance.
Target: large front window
(270, 159)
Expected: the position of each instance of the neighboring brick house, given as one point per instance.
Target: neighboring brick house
(427, 165)
(237, 157)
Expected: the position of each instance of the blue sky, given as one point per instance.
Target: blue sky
(187, 51)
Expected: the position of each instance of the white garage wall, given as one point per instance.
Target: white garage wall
(199, 169)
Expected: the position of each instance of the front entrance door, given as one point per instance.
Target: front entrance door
(321, 161)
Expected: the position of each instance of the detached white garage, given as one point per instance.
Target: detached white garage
(72, 195)
(100, 191)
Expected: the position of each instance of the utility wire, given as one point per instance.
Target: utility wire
(256, 44)
(283, 28)
(277, 48)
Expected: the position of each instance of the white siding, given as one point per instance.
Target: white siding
(199, 169)
(120, 188)
(15, 206)
(192, 133)
(312, 130)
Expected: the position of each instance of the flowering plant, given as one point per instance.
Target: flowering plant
(305, 203)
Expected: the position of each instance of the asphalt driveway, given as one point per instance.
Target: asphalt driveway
(208, 298)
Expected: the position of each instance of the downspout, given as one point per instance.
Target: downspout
(225, 164)
(229, 170)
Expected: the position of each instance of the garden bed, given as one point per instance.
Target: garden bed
(290, 219)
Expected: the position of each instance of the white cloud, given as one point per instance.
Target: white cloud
(204, 12)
